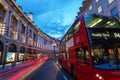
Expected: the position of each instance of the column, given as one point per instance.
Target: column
(4, 55)
(27, 34)
(19, 30)
(7, 22)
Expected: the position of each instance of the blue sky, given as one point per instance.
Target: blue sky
(54, 17)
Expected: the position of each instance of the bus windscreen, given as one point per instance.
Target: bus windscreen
(104, 36)
(97, 21)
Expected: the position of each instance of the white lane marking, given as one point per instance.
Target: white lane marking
(60, 70)
(65, 77)
(57, 67)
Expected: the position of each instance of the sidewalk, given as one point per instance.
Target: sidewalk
(10, 66)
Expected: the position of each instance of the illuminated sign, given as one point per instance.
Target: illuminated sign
(110, 35)
(100, 34)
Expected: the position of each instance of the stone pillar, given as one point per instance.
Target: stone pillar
(7, 22)
(5, 54)
(17, 54)
(26, 32)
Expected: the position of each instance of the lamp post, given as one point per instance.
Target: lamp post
(54, 45)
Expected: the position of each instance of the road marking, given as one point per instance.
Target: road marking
(65, 77)
(57, 67)
(60, 70)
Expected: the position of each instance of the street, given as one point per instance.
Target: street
(50, 71)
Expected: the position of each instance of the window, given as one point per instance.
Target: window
(14, 28)
(110, 1)
(70, 34)
(2, 13)
(114, 12)
(90, 7)
(76, 26)
(82, 55)
(97, 0)
(105, 56)
(66, 37)
(99, 9)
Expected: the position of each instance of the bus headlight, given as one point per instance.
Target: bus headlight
(99, 77)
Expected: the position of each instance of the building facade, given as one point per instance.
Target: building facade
(20, 39)
(102, 7)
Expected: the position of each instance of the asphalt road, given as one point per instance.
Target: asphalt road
(50, 71)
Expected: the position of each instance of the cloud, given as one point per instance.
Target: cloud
(54, 17)
(58, 36)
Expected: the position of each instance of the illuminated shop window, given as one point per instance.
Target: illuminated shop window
(10, 57)
(11, 53)
(21, 56)
(110, 1)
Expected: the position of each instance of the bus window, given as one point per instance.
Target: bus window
(76, 27)
(82, 55)
(105, 57)
(118, 54)
(70, 34)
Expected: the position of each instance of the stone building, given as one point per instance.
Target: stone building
(102, 7)
(20, 39)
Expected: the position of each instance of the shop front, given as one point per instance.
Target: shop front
(22, 54)
(29, 52)
(11, 54)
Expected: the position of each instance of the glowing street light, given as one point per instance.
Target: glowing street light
(54, 45)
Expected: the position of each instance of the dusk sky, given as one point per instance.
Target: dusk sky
(54, 17)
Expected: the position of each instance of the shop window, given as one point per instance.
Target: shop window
(21, 55)
(11, 53)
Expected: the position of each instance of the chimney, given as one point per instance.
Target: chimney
(30, 16)
(83, 3)
(25, 13)
(14, 0)
(20, 7)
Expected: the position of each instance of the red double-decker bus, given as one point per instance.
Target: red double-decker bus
(90, 50)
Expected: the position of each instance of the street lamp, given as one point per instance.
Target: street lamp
(54, 45)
